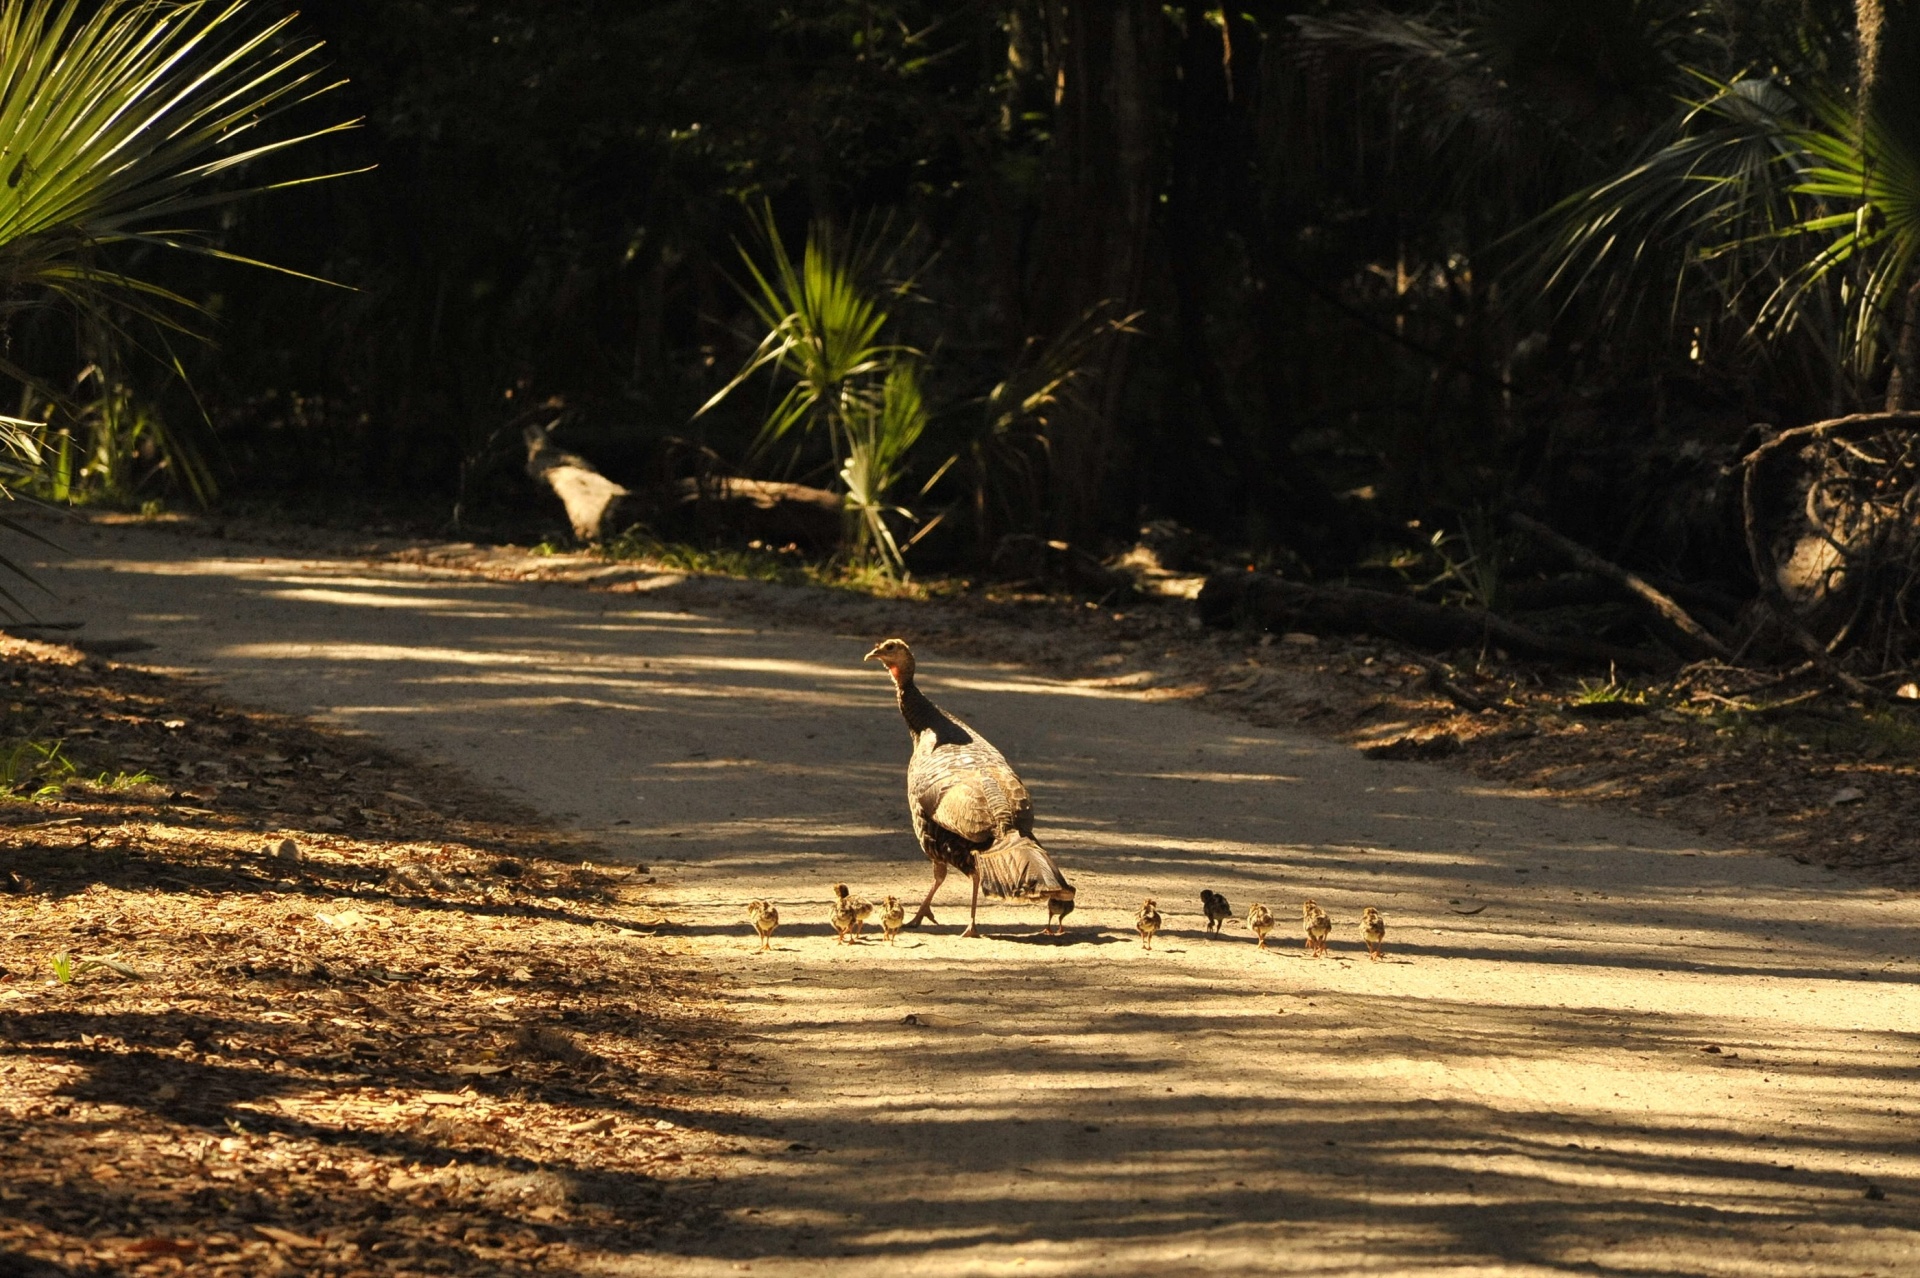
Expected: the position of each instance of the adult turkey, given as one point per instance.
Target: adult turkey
(970, 811)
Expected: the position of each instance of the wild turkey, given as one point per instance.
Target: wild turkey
(1259, 922)
(765, 918)
(1215, 907)
(892, 917)
(970, 811)
(1318, 925)
(849, 912)
(1373, 929)
(1146, 920)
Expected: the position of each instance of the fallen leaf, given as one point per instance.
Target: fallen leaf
(1908, 692)
(161, 1247)
(663, 1126)
(1847, 794)
(477, 1071)
(604, 1123)
(106, 1171)
(286, 1237)
(443, 1098)
(344, 921)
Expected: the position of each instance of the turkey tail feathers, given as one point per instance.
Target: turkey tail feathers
(1016, 866)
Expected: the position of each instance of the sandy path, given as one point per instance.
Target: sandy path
(1520, 1090)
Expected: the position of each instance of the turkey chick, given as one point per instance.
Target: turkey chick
(1374, 929)
(764, 918)
(1147, 919)
(849, 912)
(893, 917)
(1057, 910)
(1216, 909)
(1259, 922)
(1318, 927)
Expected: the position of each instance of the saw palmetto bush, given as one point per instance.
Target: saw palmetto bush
(1785, 209)
(827, 336)
(124, 124)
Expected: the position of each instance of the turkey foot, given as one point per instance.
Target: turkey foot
(926, 906)
(973, 920)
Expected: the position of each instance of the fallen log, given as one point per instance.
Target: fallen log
(1279, 605)
(594, 503)
(1683, 629)
(770, 510)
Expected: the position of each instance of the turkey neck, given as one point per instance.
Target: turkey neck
(919, 712)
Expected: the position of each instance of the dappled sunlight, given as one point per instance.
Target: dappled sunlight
(355, 652)
(1594, 1042)
(364, 599)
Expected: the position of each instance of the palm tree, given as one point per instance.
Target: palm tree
(123, 122)
(1794, 201)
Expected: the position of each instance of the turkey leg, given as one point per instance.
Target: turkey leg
(926, 906)
(973, 920)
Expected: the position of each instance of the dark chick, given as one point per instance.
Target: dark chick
(1217, 910)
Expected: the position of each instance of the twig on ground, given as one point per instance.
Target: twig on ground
(1440, 677)
(1691, 633)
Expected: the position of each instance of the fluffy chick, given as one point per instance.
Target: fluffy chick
(849, 912)
(1147, 919)
(1259, 922)
(893, 917)
(764, 918)
(1058, 907)
(1319, 926)
(1374, 929)
(1215, 907)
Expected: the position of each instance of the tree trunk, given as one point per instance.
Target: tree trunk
(1888, 50)
(1096, 218)
(1203, 147)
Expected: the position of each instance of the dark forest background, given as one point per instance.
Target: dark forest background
(1365, 314)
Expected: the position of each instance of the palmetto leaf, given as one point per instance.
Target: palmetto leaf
(117, 116)
(1798, 213)
(824, 328)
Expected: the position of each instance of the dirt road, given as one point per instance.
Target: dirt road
(1597, 1045)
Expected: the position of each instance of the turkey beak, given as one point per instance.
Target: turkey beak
(872, 656)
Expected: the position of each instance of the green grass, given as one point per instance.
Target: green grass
(1863, 734)
(33, 770)
(757, 562)
(1592, 692)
